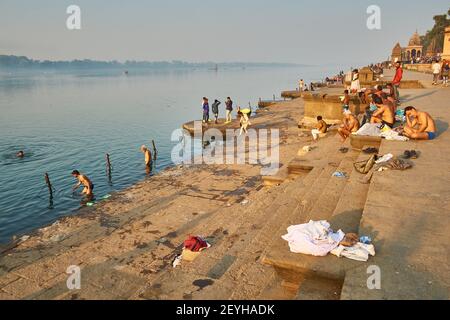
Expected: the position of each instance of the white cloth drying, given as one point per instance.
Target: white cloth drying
(369, 129)
(393, 135)
(359, 252)
(313, 238)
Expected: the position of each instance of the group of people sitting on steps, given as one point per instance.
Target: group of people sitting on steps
(382, 110)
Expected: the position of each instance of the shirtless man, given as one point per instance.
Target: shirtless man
(384, 114)
(147, 155)
(83, 180)
(419, 125)
(350, 125)
(391, 97)
(321, 127)
(346, 100)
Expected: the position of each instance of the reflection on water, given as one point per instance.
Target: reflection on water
(71, 120)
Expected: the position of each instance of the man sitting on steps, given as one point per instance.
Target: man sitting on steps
(351, 125)
(419, 125)
(384, 114)
(321, 128)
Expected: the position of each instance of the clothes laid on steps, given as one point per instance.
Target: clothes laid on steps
(314, 238)
(369, 129)
(365, 166)
(394, 164)
(195, 244)
(359, 252)
(393, 135)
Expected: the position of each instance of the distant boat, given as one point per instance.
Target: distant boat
(125, 72)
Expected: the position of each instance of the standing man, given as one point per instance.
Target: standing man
(445, 72)
(346, 100)
(85, 181)
(215, 110)
(436, 67)
(147, 156)
(397, 79)
(229, 108)
(205, 107)
(301, 85)
(148, 159)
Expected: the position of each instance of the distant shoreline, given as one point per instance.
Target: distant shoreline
(13, 61)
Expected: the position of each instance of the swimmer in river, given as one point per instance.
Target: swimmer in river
(20, 154)
(85, 181)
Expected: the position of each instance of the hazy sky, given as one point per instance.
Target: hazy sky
(311, 32)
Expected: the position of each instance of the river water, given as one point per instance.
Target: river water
(66, 120)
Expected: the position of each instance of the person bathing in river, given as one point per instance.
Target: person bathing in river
(20, 154)
(419, 125)
(85, 181)
(147, 156)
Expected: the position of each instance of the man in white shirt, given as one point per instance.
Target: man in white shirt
(436, 67)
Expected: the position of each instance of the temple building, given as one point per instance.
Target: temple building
(396, 53)
(446, 53)
(413, 51)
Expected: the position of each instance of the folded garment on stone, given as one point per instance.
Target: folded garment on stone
(313, 238)
(369, 129)
(359, 252)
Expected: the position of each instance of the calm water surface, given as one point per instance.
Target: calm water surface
(69, 120)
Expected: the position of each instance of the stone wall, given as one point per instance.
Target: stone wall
(420, 67)
(405, 84)
(328, 106)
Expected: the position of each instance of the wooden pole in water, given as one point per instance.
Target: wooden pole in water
(108, 163)
(49, 185)
(155, 151)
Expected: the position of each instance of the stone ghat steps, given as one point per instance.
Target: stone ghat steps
(406, 214)
(218, 228)
(340, 203)
(232, 250)
(252, 279)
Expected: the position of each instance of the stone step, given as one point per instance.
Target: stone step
(305, 201)
(252, 272)
(249, 276)
(199, 268)
(358, 142)
(348, 212)
(292, 266)
(406, 216)
(346, 216)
